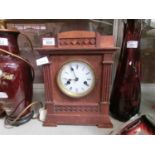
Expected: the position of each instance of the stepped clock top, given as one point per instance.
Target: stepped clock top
(79, 40)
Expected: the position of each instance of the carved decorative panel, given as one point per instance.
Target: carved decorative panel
(74, 109)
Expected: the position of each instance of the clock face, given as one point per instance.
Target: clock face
(76, 78)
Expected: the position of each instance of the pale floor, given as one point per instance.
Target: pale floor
(34, 127)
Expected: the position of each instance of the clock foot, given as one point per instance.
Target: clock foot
(51, 124)
(105, 125)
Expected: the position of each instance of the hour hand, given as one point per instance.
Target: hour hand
(68, 82)
(69, 79)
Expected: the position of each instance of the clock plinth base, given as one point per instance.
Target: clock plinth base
(101, 121)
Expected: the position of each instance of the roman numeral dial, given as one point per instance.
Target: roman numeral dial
(76, 78)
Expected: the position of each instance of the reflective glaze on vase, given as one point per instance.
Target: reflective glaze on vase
(126, 91)
(16, 76)
(143, 125)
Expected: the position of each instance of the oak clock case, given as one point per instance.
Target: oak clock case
(77, 98)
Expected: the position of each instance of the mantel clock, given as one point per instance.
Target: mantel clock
(77, 78)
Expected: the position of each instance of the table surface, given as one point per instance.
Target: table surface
(34, 127)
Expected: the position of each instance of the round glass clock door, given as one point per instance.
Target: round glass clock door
(76, 78)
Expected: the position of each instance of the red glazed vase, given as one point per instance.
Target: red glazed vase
(16, 77)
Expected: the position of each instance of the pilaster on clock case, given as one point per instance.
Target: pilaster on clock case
(77, 97)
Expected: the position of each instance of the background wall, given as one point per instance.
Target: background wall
(35, 29)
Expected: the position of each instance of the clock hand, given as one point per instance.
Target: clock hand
(68, 79)
(76, 78)
(68, 82)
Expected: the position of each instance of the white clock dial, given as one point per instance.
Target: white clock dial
(76, 78)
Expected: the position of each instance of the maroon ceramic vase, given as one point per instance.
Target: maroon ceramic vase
(16, 78)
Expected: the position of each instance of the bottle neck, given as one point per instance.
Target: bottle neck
(8, 41)
(131, 41)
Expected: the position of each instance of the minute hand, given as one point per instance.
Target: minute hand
(76, 78)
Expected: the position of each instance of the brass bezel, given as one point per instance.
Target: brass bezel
(66, 91)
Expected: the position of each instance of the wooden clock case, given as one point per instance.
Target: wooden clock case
(92, 109)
